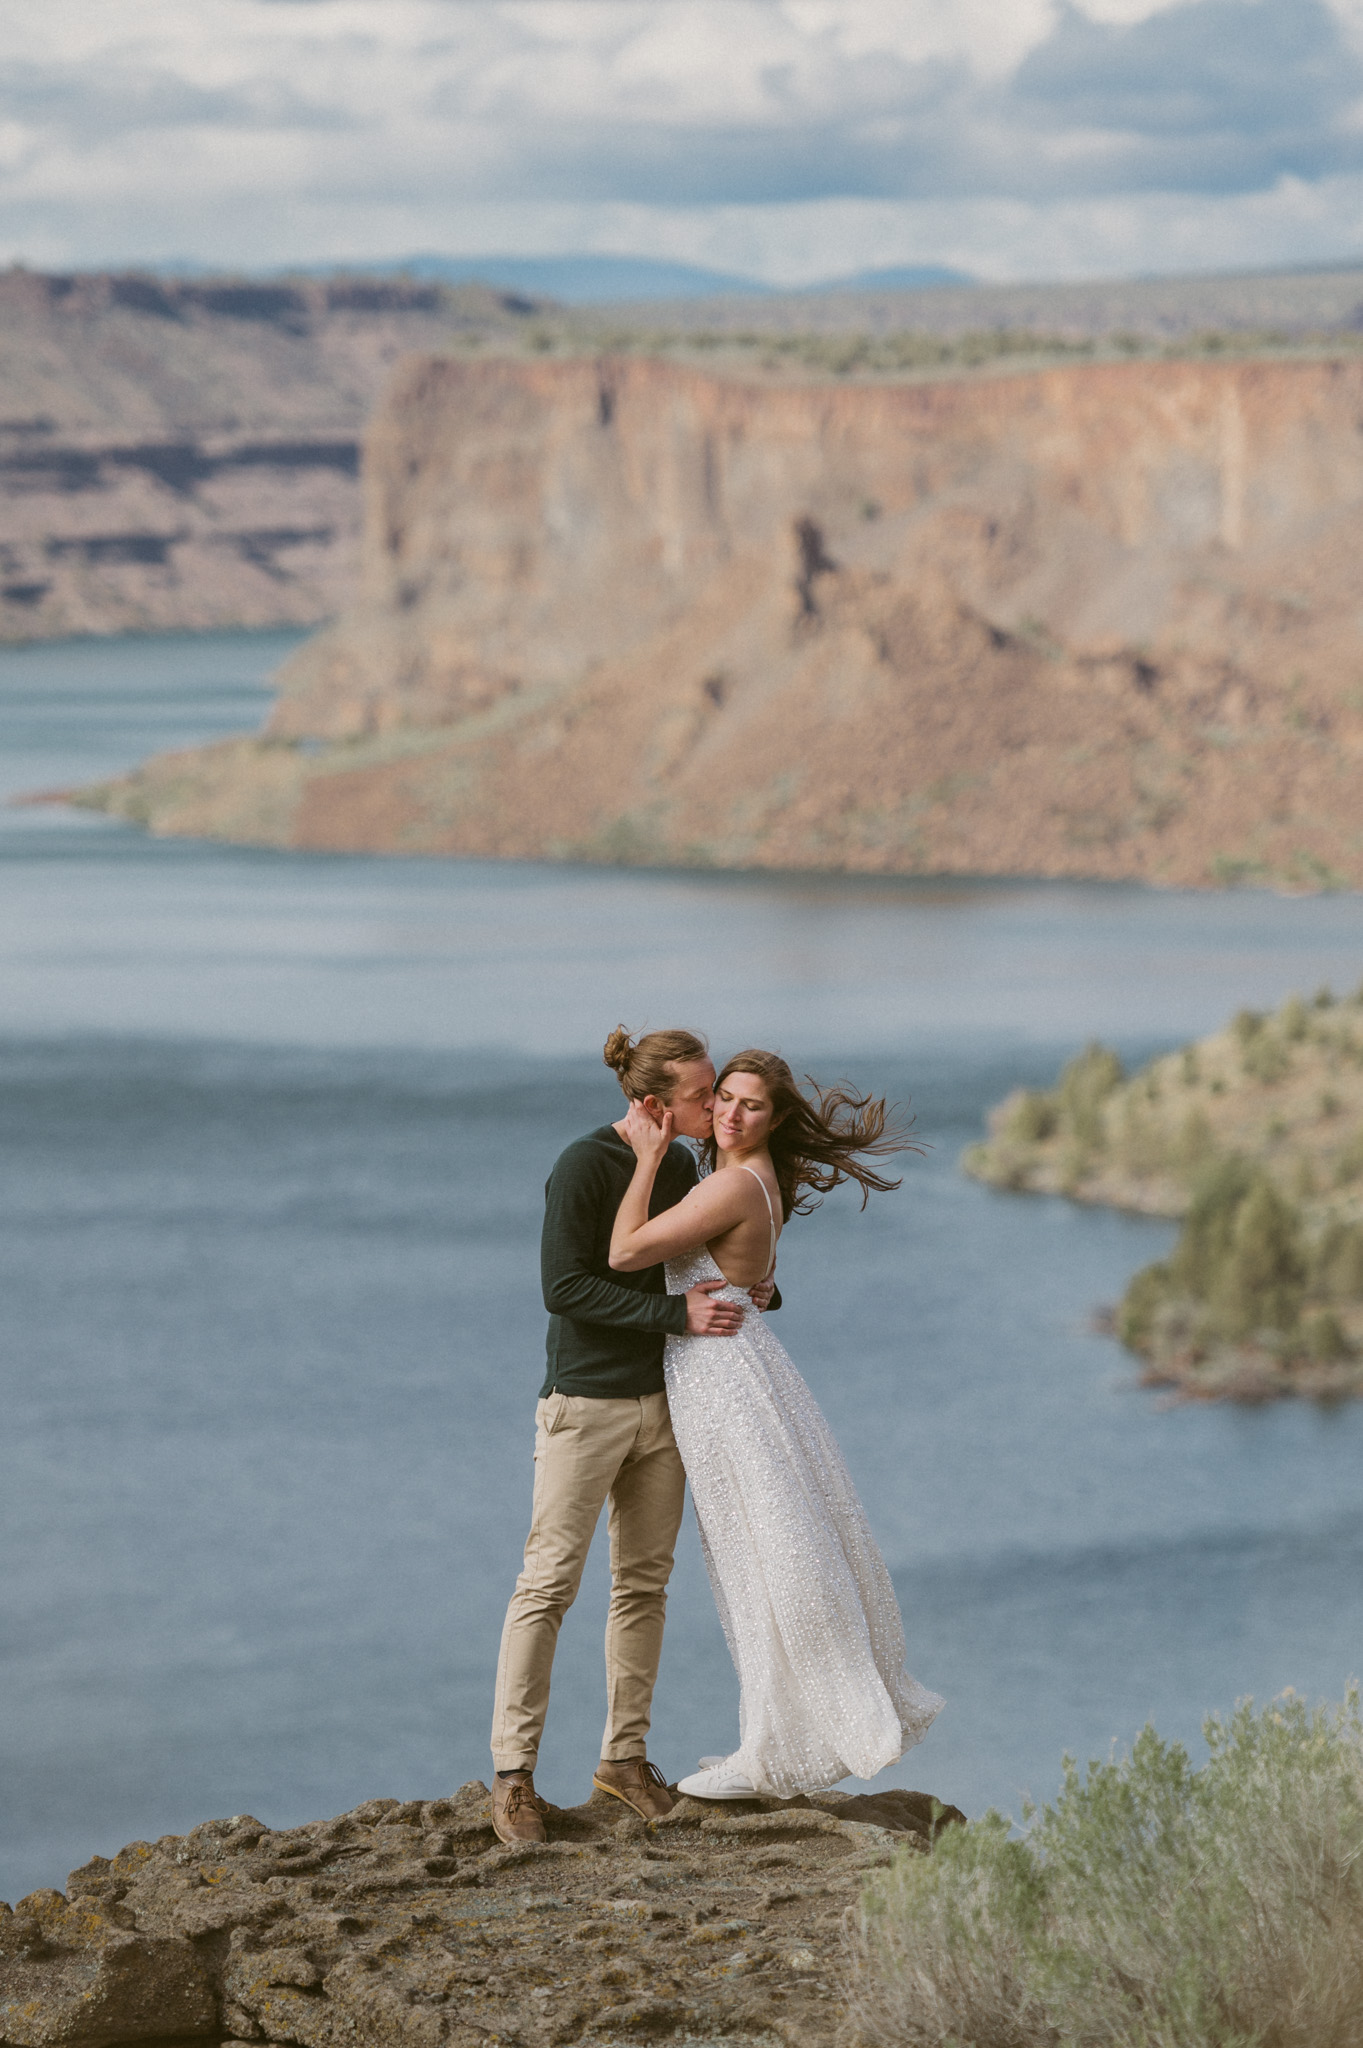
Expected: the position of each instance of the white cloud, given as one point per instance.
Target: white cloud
(791, 137)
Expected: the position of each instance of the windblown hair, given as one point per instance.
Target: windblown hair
(644, 1066)
(816, 1145)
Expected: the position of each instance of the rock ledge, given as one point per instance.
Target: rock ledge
(409, 1923)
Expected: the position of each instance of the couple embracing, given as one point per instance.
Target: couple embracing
(663, 1367)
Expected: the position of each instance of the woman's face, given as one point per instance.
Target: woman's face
(743, 1113)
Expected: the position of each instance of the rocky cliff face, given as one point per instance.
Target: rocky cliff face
(1093, 620)
(187, 454)
(409, 1925)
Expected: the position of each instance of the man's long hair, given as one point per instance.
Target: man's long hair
(816, 1145)
(648, 1065)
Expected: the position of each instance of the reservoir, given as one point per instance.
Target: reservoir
(273, 1136)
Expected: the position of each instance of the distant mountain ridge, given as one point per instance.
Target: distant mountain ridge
(608, 280)
(590, 280)
(577, 280)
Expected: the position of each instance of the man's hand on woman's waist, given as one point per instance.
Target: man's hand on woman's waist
(706, 1317)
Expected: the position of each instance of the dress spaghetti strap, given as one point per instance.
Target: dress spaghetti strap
(771, 1218)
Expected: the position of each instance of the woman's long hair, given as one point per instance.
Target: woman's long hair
(816, 1145)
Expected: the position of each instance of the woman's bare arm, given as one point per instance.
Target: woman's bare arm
(713, 1206)
(704, 1214)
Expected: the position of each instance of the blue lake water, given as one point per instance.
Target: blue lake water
(273, 1134)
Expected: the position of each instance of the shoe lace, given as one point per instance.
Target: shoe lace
(523, 1793)
(650, 1773)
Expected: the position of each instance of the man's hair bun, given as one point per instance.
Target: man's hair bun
(618, 1048)
(648, 1066)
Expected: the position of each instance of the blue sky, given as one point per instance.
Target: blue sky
(790, 139)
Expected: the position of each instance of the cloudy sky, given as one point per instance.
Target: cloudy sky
(790, 139)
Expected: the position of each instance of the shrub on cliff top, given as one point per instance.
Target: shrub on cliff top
(1239, 1265)
(1261, 1282)
(1073, 1108)
(1337, 1262)
(1033, 1118)
(1085, 1085)
(1152, 1906)
(1210, 1226)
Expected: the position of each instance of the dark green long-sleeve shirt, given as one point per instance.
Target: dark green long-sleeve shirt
(606, 1329)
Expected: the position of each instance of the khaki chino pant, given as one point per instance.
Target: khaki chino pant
(587, 1452)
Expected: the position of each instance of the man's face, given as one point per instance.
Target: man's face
(693, 1098)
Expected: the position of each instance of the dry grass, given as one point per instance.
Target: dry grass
(908, 351)
(1152, 1906)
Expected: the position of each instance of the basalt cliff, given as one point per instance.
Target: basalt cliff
(185, 454)
(1102, 619)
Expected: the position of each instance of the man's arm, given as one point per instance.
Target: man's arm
(572, 1208)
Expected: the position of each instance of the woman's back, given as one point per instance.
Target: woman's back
(746, 1252)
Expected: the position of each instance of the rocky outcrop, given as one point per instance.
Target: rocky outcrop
(71, 1974)
(1254, 1135)
(1100, 620)
(403, 1924)
(186, 454)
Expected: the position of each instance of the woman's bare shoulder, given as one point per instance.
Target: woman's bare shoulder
(718, 1193)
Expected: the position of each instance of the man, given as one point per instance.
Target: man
(602, 1433)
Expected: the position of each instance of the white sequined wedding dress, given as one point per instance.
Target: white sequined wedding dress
(802, 1589)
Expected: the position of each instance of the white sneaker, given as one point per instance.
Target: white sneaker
(716, 1779)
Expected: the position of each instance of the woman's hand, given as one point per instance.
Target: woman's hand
(649, 1140)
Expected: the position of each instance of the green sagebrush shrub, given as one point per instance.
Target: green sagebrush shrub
(1035, 1117)
(1337, 1262)
(1239, 1268)
(1084, 1087)
(1152, 1906)
(1073, 1108)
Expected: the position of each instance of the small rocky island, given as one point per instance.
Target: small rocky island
(1254, 1136)
(409, 1923)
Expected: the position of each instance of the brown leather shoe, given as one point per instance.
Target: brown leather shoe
(517, 1809)
(638, 1782)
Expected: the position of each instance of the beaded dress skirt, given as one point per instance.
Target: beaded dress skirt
(802, 1590)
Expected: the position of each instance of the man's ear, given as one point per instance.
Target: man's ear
(654, 1108)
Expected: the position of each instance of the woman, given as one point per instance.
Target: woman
(803, 1592)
